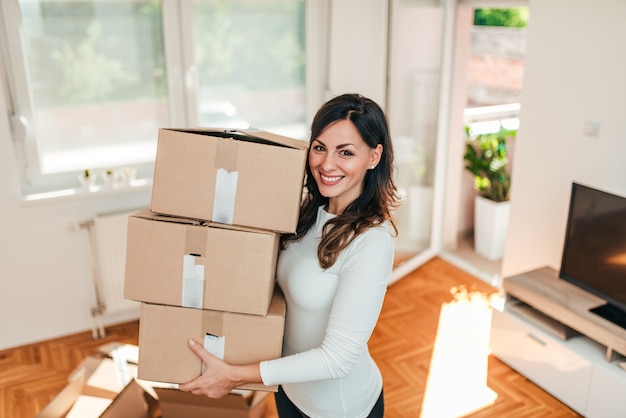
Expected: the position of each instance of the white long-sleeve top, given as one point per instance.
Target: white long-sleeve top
(326, 368)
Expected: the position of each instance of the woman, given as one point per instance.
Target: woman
(334, 273)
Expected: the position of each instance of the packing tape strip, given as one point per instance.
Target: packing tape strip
(214, 345)
(193, 283)
(225, 196)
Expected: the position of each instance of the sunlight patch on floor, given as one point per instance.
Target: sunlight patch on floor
(457, 378)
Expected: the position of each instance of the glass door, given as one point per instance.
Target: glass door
(419, 67)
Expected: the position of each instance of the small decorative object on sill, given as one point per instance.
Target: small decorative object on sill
(86, 179)
(129, 175)
(111, 178)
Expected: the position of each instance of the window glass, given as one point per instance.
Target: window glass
(97, 81)
(90, 82)
(250, 57)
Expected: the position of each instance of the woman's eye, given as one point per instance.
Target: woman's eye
(346, 153)
(318, 148)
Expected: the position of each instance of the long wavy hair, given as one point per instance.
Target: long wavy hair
(379, 195)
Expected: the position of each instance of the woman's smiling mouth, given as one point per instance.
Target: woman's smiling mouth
(328, 180)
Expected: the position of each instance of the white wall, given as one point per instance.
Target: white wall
(358, 49)
(575, 71)
(45, 273)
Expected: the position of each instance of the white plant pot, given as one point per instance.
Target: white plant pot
(491, 222)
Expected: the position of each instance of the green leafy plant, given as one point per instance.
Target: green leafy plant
(486, 157)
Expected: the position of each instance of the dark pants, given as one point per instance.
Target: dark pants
(286, 408)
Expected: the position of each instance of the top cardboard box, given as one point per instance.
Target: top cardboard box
(247, 178)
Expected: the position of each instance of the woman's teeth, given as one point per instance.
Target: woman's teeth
(330, 179)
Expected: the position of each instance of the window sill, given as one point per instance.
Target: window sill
(138, 185)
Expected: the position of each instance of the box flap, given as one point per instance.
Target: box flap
(62, 403)
(147, 214)
(278, 306)
(230, 401)
(87, 406)
(279, 139)
(238, 404)
(240, 228)
(258, 396)
(109, 378)
(87, 366)
(132, 402)
(248, 135)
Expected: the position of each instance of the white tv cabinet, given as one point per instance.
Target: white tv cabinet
(546, 333)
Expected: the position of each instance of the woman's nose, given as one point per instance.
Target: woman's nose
(328, 162)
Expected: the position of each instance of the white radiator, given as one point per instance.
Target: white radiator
(107, 240)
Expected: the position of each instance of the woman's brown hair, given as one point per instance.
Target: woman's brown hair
(379, 195)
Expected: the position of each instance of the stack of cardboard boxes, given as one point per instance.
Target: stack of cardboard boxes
(202, 259)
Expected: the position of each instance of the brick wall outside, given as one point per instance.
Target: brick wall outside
(496, 67)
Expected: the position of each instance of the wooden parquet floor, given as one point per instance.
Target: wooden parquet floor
(430, 343)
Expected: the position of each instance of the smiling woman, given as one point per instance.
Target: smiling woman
(333, 272)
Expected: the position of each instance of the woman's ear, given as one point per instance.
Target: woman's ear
(375, 155)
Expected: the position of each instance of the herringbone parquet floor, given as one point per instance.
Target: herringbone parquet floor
(430, 343)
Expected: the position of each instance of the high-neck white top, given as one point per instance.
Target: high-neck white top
(326, 369)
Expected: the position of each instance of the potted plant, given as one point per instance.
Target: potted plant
(86, 179)
(486, 158)
(110, 177)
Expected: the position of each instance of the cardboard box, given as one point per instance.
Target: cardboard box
(182, 262)
(176, 404)
(247, 178)
(164, 331)
(95, 391)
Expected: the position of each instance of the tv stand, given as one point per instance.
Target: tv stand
(547, 332)
(611, 313)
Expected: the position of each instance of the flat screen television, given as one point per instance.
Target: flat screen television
(594, 254)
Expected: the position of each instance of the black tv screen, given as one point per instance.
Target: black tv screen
(594, 254)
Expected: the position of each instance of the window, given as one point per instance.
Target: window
(92, 81)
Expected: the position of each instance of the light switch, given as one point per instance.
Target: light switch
(592, 128)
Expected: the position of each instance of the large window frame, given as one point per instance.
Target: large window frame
(182, 85)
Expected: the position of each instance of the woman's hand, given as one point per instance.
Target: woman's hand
(217, 379)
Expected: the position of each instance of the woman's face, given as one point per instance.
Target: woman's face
(339, 159)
